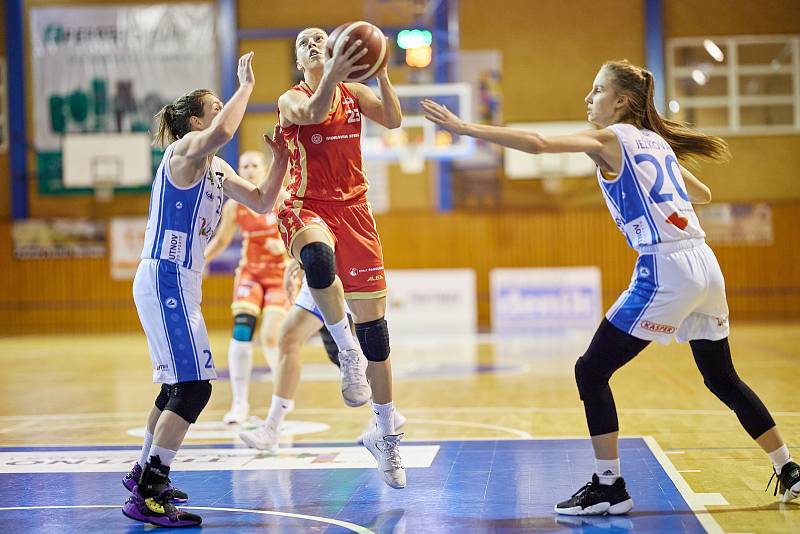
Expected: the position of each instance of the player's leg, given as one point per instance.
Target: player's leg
(610, 349)
(248, 296)
(276, 306)
(299, 325)
(315, 248)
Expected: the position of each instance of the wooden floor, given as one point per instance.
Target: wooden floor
(96, 390)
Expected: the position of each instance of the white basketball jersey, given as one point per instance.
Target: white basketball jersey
(182, 220)
(648, 198)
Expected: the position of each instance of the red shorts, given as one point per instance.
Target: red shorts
(252, 294)
(359, 256)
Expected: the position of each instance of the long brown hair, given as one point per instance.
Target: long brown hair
(637, 84)
(174, 119)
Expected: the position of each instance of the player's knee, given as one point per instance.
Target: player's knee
(374, 339)
(163, 397)
(187, 399)
(319, 262)
(244, 325)
(288, 342)
(589, 381)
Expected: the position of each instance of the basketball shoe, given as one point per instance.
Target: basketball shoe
(597, 499)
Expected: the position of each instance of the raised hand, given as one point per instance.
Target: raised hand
(277, 144)
(343, 63)
(245, 70)
(442, 116)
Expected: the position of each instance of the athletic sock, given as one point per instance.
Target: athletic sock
(384, 416)
(240, 364)
(607, 470)
(780, 457)
(278, 410)
(145, 454)
(165, 455)
(342, 334)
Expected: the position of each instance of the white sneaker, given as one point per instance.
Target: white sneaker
(399, 422)
(237, 414)
(386, 452)
(353, 367)
(263, 438)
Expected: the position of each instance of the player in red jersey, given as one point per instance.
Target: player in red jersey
(258, 289)
(327, 223)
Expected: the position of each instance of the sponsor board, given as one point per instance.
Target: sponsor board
(210, 459)
(126, 239)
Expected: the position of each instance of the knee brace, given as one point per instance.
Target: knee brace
(163, 397)
(714, 361)
(330, 345)
(374, 339)
(319, 262)
(244, 325)
(187, 399)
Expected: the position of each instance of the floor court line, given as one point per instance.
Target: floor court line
(350, 526)
(696, 501)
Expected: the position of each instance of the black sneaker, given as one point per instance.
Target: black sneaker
(598, 499)
(788, 481)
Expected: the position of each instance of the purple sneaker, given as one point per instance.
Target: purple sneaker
(132, 479)
(158, 511)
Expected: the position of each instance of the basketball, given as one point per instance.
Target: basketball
(374, 41)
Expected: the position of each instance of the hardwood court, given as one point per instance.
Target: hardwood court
(501, 414)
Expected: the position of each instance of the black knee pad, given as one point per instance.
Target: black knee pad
(330, 345)
(188, 399)
(374, 339)
(319, 263)
(163, 397)
(588, 379)
(244, 325)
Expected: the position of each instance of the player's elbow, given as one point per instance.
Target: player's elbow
(393, 123)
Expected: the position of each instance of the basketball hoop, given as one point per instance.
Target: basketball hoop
(411, 157)
(104, 191)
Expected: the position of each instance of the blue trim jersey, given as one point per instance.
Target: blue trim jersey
(182, 220)
(648, 198)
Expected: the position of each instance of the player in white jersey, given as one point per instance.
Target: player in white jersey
(303, 321)
(677, 290)
(185, 207)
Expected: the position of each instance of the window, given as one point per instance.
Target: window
(746, 84)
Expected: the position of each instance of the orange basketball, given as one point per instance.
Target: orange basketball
(374, 41)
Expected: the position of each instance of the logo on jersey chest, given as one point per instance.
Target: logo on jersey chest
(316, 138)
(174, 246)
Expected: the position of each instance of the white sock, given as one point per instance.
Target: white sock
(271, 354)
(342, 334)
(165, 455)
(278, 410)
(145, 455)
(384, 416)
(240, 364)
(607, 470)
(780, 457)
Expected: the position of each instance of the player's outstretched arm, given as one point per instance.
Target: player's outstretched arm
(589, 141)
(699, 193)
(225, 232)
(261, 198)
(200, 144)
(384, 110)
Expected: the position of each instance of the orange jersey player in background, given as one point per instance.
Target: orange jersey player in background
(258, 289)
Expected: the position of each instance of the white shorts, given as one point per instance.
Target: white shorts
(168, 299)
(306, 301)
(676, 292)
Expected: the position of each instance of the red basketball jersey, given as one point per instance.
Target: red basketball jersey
(256, 257)
(325, 159)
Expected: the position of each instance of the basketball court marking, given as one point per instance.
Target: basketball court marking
(350, 526)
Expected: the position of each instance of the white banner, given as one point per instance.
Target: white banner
(111, 68)
(532, 300)
(126, 238)
(440, 301)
